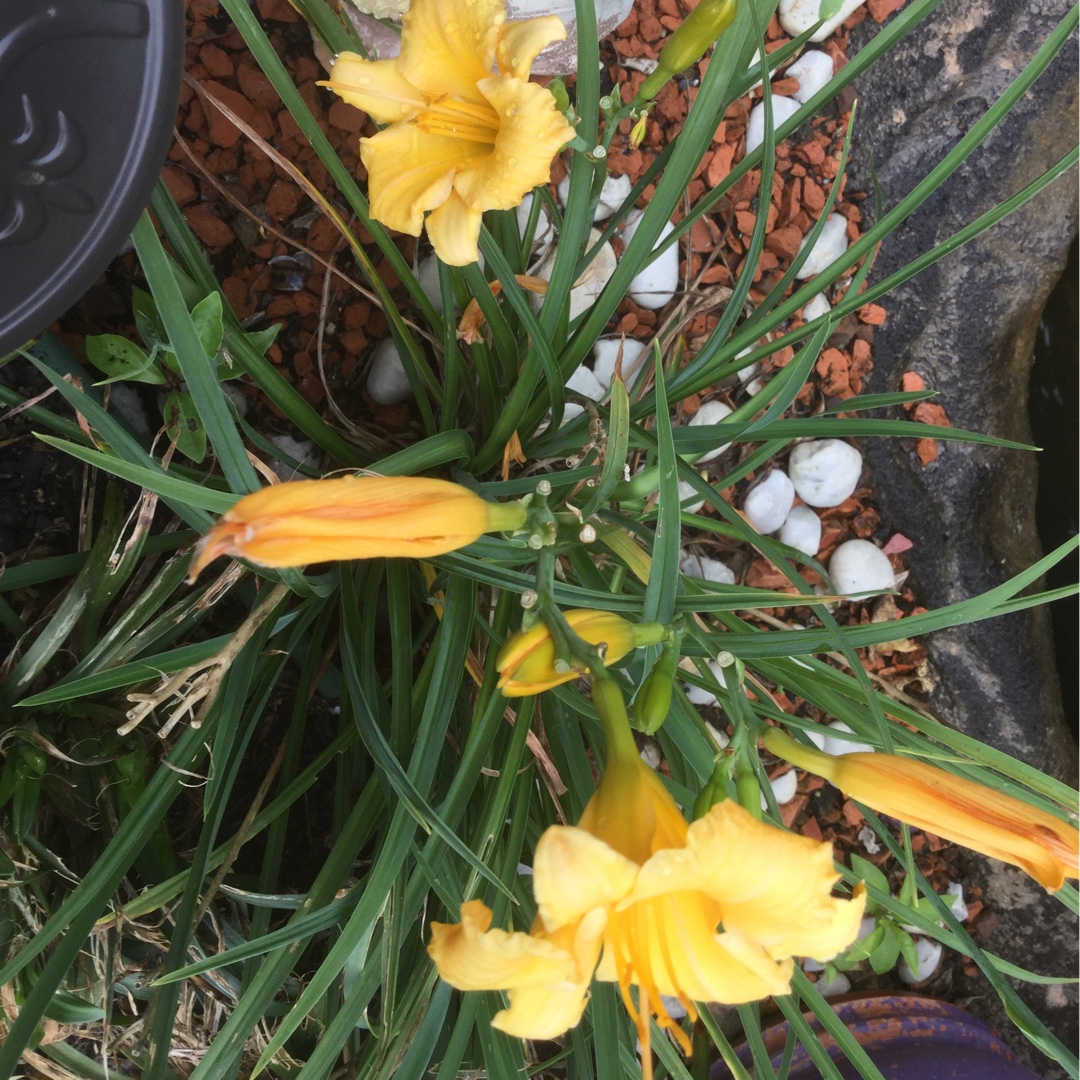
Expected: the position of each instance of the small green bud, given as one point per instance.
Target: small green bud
(557, 89)
(653, 701)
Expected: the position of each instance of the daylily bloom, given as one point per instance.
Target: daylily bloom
(352, 517)
(947, 805)
(526, 663)
(460, 140)
(711, 911)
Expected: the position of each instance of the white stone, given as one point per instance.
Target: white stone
(815, 737)
(655, 284)
(825, 471)
(125, 400)
(801, 530)
(813, 69)
(838, 747)
(797, 16)
(591, 283)
(698, 695)
(712, 412)
(831, 244)
(721, 738)
(650, 754)
(427, 276)
(783, 109)
(858, 568)
(815, 307)
(928, 954)
(237, 397)
(834, 987)
(768, 502)
(301, 451)
(688, 492)
(606, 352)
(784, 787)
(957, 905)
(612, 194)
(582, 381)
(868, 838)
(701, 566)
(387, 382)
(545, 232)
(810, 964)
(866, 928)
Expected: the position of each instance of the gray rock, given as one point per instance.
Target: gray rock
(967, 325)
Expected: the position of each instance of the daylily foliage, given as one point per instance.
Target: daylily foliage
(460, 140)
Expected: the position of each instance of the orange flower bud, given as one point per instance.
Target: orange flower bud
(352, 517)
(526, 662)
(948, 805)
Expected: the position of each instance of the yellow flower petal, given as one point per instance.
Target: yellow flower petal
(352, 517)
(521, 41)
(574, 872)
(531, 131)
(780, 896)
(950, 806)
(546, 1012)
(670, 945)
(448, 46)
(470, 956)
(410, 171)
(454, 231)
(375, 86)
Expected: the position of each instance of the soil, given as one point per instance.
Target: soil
(274, 251)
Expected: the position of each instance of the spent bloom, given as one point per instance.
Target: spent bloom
(526, 663)
(709, 911)
(352, 517)
(950, 806)
(467, 131)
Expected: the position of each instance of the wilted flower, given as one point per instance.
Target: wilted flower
(526, 663)
(635, 888)
(948, 805)
(460, 139)
(352, 517)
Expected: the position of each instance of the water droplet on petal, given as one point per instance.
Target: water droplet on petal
(511, 161)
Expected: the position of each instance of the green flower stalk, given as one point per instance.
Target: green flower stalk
(688, 44)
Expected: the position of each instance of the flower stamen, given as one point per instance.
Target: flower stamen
(459, 119)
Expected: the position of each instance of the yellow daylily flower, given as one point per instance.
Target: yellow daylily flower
(526, 663)
(710, 911)
(460, 140)
(352, 517)
(947, 805)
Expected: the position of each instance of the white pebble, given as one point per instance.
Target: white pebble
(858, 568)
(768, 502)
(831, 244)
(125, 400)
(701, 566)
(387, 382)
(825, 471)
(427, 276)
(698, 695)
(784, 787)
(612, 195)
(816, 738)
(928, 953)
(650, 754)
(866, 928)
(582, 381)
(957, 905)
(606, 352)
(868, 838)
(815, 307)
(301, 451)
(799, 15)
(783, 109)
(712, 412)
(810, 964)
(801, 530)
(544, 234)
(813, 69)
(236, 396)
(591, 283)
(837, 747)
(655, 284)
(721, 738)
(837, 985)
(688, 492)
